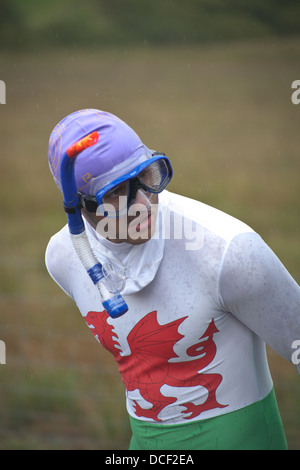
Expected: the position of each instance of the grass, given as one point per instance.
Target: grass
(224, 116)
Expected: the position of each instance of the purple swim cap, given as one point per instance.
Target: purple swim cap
(118, 150)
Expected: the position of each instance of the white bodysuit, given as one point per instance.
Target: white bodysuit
(192, 344)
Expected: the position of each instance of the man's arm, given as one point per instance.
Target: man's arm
(258, 290)
(55, 259)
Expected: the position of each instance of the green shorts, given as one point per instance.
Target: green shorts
(255, 427)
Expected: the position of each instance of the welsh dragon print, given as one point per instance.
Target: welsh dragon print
(148, 367)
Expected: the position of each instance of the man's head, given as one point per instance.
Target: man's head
(117, 179)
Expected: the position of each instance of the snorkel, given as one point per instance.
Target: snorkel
(113, 303)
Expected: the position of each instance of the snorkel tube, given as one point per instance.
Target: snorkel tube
(114, 304)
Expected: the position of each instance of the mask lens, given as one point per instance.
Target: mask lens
(115, 201)
(155, 176)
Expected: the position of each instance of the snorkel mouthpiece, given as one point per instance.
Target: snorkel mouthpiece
(113, 303)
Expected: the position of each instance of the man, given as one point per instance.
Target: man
(204, 294)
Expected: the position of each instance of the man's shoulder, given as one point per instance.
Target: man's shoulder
(211, 219)
(60, 241)
(59, 250)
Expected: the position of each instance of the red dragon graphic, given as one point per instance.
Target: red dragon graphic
(148, 367)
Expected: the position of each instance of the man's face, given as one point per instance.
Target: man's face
(137, 226)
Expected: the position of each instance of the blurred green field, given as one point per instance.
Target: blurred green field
(224, 116)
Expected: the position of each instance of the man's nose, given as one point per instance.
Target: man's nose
(143, 198)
